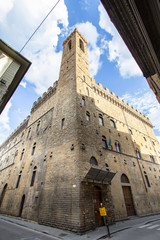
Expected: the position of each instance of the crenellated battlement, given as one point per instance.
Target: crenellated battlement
(70, 36)
(110, 96)
(45, 97)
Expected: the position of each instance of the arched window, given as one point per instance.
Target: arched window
(117, 146)
(93, 161)
(22, 154)
(83, 101)
(38, 124)
(104, 142)
(28, 132)
(15, 155)
(87, 91)
(70, 45)
(62, 125)
(147, 180)
(152, 158)
(88, 116)
(138, 153)
(33, 149)
(124, 179)
(112, 123)
(19, 177)
(81, 45)
(101, 120)
(33, 176)
(22, 136)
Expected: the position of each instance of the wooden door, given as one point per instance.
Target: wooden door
(128, 200)
(97, 199)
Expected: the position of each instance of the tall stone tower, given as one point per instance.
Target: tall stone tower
(81, 146)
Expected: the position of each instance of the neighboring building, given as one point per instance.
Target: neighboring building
(80, 146)
(138, 22)
(13, 67)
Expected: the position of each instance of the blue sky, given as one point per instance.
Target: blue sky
(110, 61)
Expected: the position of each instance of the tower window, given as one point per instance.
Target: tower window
(107, 167)
(101, 120)
(70, 45)
(87, 91)
(104, 142)
(88, 116)
(152, 158)
(15, 155)
(22, 136)
(130, 131)
(138, 153)
(33, 176)
(62, 126)
(112, 123)
(33, 149)
(83, 101)
(81, 45)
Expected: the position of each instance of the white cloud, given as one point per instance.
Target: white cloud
(90, 33)
(118, 51)
(147, 104)
(4, 122)
(6, 7)
(41, 49)
(23, 84)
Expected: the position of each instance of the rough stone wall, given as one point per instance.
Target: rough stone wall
(61, 193)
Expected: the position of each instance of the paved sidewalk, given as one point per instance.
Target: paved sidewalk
(99, 233)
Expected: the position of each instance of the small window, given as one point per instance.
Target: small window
(87, 91)
(112, 123)
(124, 179)
(70, 45)
(83, 101)
(29, 131)
(34, 148)
(22, 154)
(130, 131)
(152, 158)
(38, 125)
(107, 167)
(19, 178)
(15, 155)
(22, 136)
(33, 176)
(84, 78)
(101, 120)
(62, 126)
(138, 153)
(88, 116)
(117, 146)
(145, 139)
(81, 45)
(93, 161)
(104, 142)
(147, 180)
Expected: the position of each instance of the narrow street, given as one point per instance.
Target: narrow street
(11, 231)
(146, 231)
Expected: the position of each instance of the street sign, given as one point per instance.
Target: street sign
(102, 211)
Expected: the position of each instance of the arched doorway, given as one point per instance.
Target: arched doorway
(21, 206)
(127, 193)
(97, 199)
(3, 193)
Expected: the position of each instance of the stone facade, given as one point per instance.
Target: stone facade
(76, 125)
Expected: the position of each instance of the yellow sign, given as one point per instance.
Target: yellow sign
(103, 211)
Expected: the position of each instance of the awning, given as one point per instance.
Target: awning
(99, 175)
